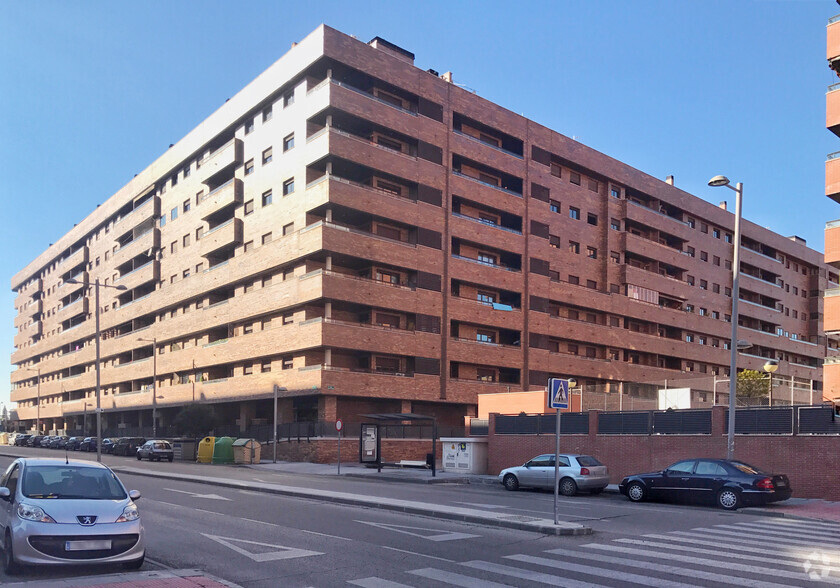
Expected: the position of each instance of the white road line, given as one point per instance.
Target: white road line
(324, 535)
(716, 552)
(711, 563)
(751, 537)
(612, 574)
(256, 521)
(828, 525)
(522, 574)
(374, 582)
(419, 554)
(691, 539)
(788, 531)
(456, 579)
(154, 562)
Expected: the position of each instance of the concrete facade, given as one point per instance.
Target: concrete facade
(832, 228)
(370, 237)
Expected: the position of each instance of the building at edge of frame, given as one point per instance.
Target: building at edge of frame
(371, 238)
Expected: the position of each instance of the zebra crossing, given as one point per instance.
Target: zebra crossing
(766, 553)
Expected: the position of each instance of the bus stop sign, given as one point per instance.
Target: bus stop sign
(558, 393)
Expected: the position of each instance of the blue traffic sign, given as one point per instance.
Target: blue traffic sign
(558, 393)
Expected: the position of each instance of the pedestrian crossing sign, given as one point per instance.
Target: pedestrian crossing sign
(558, 393)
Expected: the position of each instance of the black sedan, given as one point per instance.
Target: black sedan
(73, 443)
(89, 444)
(22, 439)
(729, 484)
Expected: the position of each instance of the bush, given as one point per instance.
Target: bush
(195, 420)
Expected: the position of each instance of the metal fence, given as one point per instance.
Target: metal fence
(571, 423)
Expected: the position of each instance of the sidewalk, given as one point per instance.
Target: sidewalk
(151, 579)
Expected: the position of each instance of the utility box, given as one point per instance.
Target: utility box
(205, 450)
(246, 451)
(464, 455)
(184, 449)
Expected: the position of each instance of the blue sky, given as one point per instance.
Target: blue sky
(92, 92)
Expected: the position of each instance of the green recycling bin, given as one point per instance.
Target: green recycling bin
(223, 450)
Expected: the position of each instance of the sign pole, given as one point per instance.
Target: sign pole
(556, 464)
(338, 426)
(558, 398)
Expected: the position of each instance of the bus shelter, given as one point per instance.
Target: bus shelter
(370, 438)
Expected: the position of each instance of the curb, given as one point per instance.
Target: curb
(149, 578)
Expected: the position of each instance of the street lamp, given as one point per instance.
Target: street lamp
(718, 181)
(84, 420)
(38, 412)
(153, 341)
(770, 367)
(96, 286)
(276, 390)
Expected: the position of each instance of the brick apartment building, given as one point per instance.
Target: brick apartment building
(370, 237)
(832, 229)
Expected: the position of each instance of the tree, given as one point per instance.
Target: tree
(195, 420)
(753, 384)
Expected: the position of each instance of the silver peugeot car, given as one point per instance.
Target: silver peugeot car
(60, 511)
(577, 472)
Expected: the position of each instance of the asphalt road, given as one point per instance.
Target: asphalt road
(256, 539)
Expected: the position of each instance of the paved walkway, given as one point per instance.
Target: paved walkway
(152, 579)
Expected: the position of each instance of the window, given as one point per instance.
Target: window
(574, 213)
(485, 375)
(266, 239)
(689, 251)
(288, 142)
(199, 232)
(267, 156)
(716, 315)
(288, 318)
(265, 367)
(288, 98)
(574, 178)
(615, 224)
(690, 222)
(615, 192)
(186, 273)
(486, 258)
(186, 171)
(689, 338)
(574, 280)
(186, 240)
(199, 267)
(249, 207)
(592, 185)
(615, 257)
(288, 186)
(249, 246)
(704, 256)
(266, 198)
(287, 362)
(690, 280)
(728, 264)
(288, 229)
(573, 348)
(716, 260)
(173, 214)
(592, 284)
(186, 206)
(173, 247)
(486, 297)
(199, 196)
(591, 253)
(592, 219)
(728, 238)
(174, 180)
(173, 278)
(716, 233)
(249, 126)
(485, 336)
(266, 281)
(554, 206)
(267, 113)
(704, 228)
(703, 311)
(249, 167)
(704, 285)
(727, 291)
(382, 276)
(554, 241)
(574, 247)
(716, 288)
(248, 329)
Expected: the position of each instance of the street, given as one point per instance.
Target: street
(255, 539)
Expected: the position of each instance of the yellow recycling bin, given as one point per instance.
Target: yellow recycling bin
(246, 451)
(205, 450)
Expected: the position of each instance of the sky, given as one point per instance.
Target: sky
(91, 92)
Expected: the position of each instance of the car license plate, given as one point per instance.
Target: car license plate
(780, 484)
(87, 545)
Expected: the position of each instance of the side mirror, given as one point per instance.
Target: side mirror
(5, 493)
(134, 494)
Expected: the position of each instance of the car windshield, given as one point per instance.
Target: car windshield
(68, 481)
(588, 461)
(162, 445)
(746, 468)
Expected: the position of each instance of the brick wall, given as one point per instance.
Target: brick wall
(326, 450)
(811, 462)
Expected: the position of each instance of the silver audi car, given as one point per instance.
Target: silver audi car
(60, 511)
(577, 472)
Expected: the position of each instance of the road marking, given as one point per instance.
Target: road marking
(419, 554)
(802, 532)
(281, 553)
(197, 495)
(753, 570)
(550, 579)
(622, 575)
(159, 564)
(750, 537)
(455, 579)
(325, 535)
(438, 535)
(711, 543)
(716, 552)
(373, 582)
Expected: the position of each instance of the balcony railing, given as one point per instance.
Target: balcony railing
(462, 175)
(137, 269)
(371, 96)
(485, 263)
(496, 147)
(653, 210)
(486, 222)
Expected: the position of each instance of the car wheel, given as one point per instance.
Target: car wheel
(728, 499)
(139, 457)
(171, 457)
(510, 482)
(10, 566)
(567, 487)
(596, 491)
(136, 564)
(636, 492)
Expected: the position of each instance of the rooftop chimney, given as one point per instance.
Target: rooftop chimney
(669, 180)
(447, 77)
(722, 204)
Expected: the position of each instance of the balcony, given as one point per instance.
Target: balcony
(832, 109)
(663, 284)
(832, 176)
(34, 308)
(831, 324)
(143, 243)
(36, 329)
(653, 218)
(832, 45)
(465, 227)
(148, 272)
(223, 159)
(832, 243)
(143, 212)
(75, 308)
(653, 250)
(227, 234)
(67, 288)
(228, 195)
(78, 257)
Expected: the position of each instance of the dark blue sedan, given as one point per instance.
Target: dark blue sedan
(729, 484)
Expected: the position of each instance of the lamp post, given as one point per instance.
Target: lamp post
(84, 420)
(96, 285)
(276, 390)
(153, 341)
(38, 411)
(736, 271)
(770, 367)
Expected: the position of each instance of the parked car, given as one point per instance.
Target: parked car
(34, 441)
(45, 441)
(89, 444)
(58, 441)
(73, 443)
(729, 484)
(155, 450)
(128, 445)
(22, 439)
(55, 511)
(108, 445)
(577, 472)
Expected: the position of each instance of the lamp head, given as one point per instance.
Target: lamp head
(719, 181)
(572, 382)
(71, 281)
(743, 345)
(120, 287)
(771, 366)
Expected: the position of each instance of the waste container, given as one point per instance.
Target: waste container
(4, 438)
(184, 449)
(223, 450)
(246, 451)
(205, 450)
